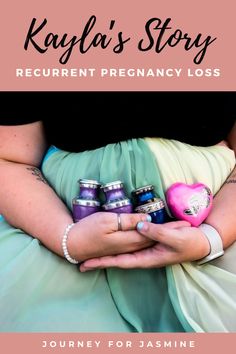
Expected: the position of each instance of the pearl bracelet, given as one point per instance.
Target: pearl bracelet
(64, 245)
(215, 241)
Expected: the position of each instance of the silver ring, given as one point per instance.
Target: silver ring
(119, 222)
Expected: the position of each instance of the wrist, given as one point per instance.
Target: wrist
(215, 243)
(66, 244)
(205, 247)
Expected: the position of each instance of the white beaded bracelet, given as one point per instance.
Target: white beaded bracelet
(64, 245)
(215, 241)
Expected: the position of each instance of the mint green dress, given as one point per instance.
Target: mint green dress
(42, 292)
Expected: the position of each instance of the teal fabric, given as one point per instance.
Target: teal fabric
(41, 292)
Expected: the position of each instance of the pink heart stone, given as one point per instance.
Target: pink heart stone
(189, 202)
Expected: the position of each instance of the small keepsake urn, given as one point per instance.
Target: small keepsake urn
(86, 203)
(116, 200)
(191, 203)
(147, 202)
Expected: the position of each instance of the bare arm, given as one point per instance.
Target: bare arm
(223, 212)
(26, 200)
(29, 203)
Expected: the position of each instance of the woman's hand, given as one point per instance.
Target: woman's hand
(97, 235)
(175, 242)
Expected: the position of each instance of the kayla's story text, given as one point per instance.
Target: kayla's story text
(158, 35)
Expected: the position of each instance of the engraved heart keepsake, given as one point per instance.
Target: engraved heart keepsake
(189, 202)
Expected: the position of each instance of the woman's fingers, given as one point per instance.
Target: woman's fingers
(175, 242)
(164, 233)
(126, 222)
(103, 238)
(152, 257)
(114, 234)
(140, 259)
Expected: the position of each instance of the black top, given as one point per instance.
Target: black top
(77, 121)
